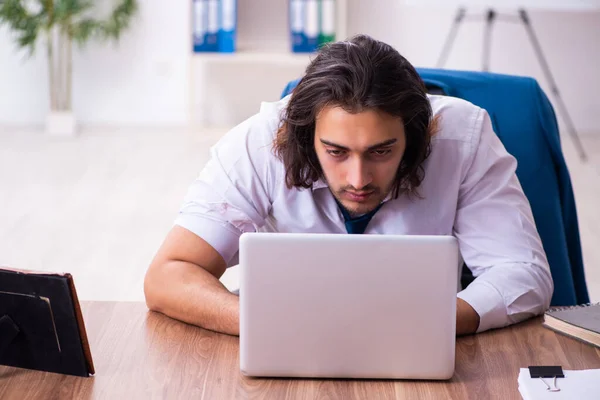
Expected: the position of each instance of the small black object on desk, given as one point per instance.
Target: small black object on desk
(549, 371)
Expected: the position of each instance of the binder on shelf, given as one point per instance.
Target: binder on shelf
(327, 24)
(312, 24)
(297, 25)
(304, 25)
(205, 23)
(212, 31)
(228, 22)
(199, 24)
(214, 25)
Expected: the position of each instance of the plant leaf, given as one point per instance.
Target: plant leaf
(25, 25)
(83, 30)
(119, 20)
(71, 16)
(67, 11)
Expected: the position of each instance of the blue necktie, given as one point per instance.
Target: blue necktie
(359, 224)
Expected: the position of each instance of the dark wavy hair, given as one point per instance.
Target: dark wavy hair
(359, 74)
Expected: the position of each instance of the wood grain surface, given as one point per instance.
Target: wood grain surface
(145, 355)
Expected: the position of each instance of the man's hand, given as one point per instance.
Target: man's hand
(467, 319)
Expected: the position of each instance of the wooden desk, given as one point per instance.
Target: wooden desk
(142, 355)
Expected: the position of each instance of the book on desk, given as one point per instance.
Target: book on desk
(41, 325)
(580, 322)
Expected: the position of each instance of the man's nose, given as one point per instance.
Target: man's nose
(358, 174)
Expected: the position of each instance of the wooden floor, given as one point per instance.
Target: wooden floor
(99, 206)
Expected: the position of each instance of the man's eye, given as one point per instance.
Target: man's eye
(335, 153)
(381, 152)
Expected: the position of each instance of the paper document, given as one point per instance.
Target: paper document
(579, 385)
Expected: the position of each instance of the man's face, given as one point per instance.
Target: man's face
(359, 154)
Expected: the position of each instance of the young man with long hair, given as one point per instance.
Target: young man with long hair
(358, 147)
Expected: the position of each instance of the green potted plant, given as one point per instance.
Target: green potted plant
(57, 24)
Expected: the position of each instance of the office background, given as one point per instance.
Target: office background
(99, 204)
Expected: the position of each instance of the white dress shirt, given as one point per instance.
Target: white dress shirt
(470, 190)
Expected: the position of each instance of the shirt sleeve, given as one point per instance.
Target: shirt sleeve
(498, 238)
(232, 194)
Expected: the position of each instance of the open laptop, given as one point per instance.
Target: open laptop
(348, 306)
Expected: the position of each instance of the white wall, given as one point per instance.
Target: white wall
(570, 41)
(142, 81)
(260, 29)
(226, 93)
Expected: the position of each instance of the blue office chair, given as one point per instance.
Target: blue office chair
(525, 122)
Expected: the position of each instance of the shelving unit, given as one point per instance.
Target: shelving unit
(229, 87)
(253, 57)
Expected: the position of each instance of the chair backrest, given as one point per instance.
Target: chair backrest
(525, 122)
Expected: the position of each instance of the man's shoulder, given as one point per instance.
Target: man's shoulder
(255, 135)
(458, 119)
(262, 126)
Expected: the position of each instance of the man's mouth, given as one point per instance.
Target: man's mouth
(358, 196)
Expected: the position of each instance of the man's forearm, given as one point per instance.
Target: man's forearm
(467, 319)
(189, 293)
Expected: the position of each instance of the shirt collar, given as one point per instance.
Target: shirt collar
(319, 184)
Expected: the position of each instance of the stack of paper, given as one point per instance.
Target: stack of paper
(579, 385)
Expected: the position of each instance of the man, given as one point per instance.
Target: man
(358, 147)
